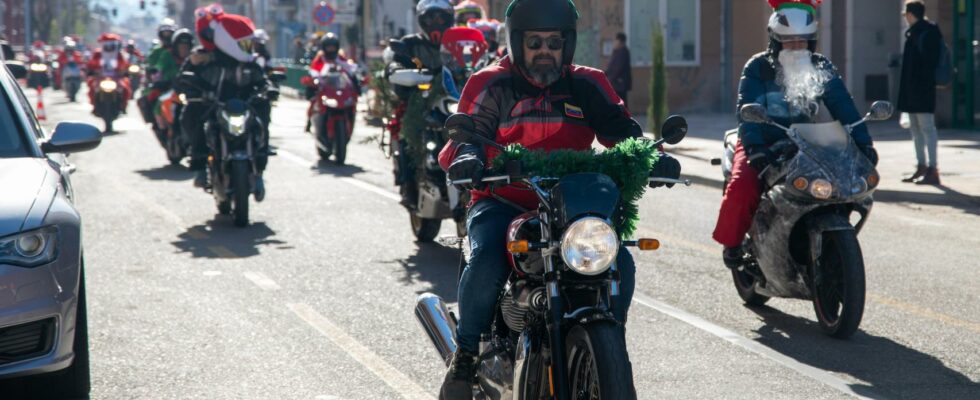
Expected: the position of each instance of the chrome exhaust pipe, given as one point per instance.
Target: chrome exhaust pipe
(432, 314)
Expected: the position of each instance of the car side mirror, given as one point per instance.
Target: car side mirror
(674, 129)
(72, 137)
(17, 69)
(880, 111)
(753, 112)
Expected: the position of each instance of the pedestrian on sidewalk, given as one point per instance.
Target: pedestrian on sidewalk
(619, 70)
(917, 90)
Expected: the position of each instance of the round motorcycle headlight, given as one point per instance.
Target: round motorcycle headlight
(134, 69)
(452, 107)
(860, 186)
(821, 189)
(589, 246)
(108, 85)
(30, 245)
(331, 103)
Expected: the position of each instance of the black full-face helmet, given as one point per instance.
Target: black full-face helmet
(541, 15)
(434, 17)
(330, 40)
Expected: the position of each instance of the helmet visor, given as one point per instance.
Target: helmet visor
(245, 45)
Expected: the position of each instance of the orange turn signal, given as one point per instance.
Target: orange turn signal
(800, 183)
(873, 180)
(648, 244)
(518, 246)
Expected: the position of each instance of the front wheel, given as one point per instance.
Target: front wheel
(598, 363)
(242, 190)
(340, 141)
(838, 284)
(425, 229)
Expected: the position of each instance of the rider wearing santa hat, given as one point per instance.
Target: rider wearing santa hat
(109, 60)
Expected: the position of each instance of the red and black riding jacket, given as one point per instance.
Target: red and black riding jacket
(570, 114)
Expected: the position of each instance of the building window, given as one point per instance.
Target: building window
(681, 23)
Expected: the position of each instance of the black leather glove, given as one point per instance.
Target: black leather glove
(760, 157)
(665, 167)
(870, 152)
(470, 163)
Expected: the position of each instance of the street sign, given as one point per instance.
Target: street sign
(345, 19)
(323, 14)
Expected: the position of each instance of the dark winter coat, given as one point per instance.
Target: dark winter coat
(917, 90)
(759, 85)
(619, 72)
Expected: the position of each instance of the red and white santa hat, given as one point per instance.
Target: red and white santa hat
(231, 34)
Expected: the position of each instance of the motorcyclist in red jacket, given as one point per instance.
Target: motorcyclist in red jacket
(109, 60)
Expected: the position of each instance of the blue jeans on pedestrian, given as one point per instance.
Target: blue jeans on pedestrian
(487, 271)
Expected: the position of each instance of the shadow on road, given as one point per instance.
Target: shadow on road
(949, 198)
(331, 168)
(219, 238)
(167, 173)
(890, 369)
(435, 264)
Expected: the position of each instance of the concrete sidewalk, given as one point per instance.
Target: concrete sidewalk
(959, 163)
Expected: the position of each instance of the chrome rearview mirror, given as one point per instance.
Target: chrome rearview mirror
(880, 111)
(753, 112)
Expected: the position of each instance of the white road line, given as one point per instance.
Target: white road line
(261, 280)
(391, 376)
(352, 181)
(811, 372)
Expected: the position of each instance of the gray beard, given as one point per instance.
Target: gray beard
(543, 75)
(802, 81)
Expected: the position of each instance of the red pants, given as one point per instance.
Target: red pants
(740, 202)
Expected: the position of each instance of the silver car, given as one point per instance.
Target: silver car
(43, 326)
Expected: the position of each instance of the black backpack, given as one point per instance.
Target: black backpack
(944, 67)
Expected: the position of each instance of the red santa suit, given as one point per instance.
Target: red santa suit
(109, 61)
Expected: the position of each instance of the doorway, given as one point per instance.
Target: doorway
(966, 60)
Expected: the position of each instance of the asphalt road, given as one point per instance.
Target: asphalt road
(314, 300)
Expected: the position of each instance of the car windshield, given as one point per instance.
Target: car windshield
(11, 136)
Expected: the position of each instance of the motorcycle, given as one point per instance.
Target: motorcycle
(171, 137)
(462, 49)
(553, 335)
(109, 98)
(234, 134)
(135, 74)
(802, 244)
(332, 112)
(38, 75)
(71, 75)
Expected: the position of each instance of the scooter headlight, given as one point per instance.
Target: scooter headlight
(821, 189)
(236, 123)
(108, 85)
(330, 103)
(589, 246)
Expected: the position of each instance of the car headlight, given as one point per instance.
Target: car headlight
(108, 85)
(330, 103)
(821, 189)
(589, 246)
(134, 69)
(30, 249)
(236, 123)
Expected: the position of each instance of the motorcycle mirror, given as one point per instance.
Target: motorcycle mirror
(674, 129)
(753, 112)
(880, 111)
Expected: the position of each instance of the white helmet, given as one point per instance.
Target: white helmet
(792, 23)
(261, 36)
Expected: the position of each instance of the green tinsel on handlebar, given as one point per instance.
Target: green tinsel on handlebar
(628, 164)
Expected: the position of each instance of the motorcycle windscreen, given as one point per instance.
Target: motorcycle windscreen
(831, 154)
(581, 194)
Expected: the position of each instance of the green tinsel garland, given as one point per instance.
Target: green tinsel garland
(628, 164)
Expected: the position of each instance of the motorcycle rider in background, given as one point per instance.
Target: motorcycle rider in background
(160, 67)
(790, 80)
(538, 98)
(468, 10)
(225, 53)
(330, 54)
(109, 57)
(418, 50)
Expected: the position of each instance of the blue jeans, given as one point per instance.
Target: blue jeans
(488, 269)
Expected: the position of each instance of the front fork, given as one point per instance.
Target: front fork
(557, 373)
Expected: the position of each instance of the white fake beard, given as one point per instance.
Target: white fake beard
(803, 82)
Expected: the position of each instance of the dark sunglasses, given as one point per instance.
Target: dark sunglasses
(553, 43)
